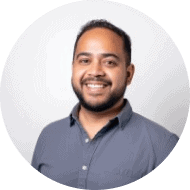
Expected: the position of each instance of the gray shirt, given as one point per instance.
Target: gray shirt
(126, 149)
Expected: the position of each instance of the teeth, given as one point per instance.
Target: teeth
(95, 85)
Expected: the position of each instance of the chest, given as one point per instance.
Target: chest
(107, 162)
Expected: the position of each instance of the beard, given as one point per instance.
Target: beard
(112, 99)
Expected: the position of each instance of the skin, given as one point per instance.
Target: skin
(100, 60)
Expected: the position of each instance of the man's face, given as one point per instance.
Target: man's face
(99, 73)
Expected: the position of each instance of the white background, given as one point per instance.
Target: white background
(36, 83)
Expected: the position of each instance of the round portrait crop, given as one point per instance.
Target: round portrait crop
(95, 100)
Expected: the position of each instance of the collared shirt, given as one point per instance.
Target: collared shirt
(123, 151)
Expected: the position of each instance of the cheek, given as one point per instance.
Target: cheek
(118, 79)
(77, 75)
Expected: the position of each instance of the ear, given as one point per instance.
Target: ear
(130, 73)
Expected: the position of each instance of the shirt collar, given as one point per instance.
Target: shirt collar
(123, 117)
(125, 114)
(74, 114)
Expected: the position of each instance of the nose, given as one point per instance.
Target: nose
(96, 69)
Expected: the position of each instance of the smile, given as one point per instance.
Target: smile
(95, 86)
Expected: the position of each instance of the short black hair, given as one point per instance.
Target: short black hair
(102, 23)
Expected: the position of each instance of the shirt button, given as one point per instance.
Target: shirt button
(84, 167)
(86, 140)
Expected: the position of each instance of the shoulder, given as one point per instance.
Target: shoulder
(154, 130)
(56, 128)
(58, 125)
(49, 139)
(161, 140)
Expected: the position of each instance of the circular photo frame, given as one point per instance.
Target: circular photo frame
(36, 85)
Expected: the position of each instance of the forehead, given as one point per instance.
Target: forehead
(100, 40)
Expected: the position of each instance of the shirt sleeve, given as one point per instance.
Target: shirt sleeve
(39, 149)
(168, 147)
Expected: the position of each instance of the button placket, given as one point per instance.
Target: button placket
(83, 172)
(89, 147)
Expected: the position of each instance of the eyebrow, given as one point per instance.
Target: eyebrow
(83, 53)
(102, 54)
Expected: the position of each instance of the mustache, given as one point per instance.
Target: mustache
(96, 79)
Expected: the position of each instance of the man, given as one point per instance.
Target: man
(103, 143)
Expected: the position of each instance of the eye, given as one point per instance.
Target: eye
(84, 61)
(110, 63)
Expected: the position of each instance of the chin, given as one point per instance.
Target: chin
(97, 106)
(94, 101)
